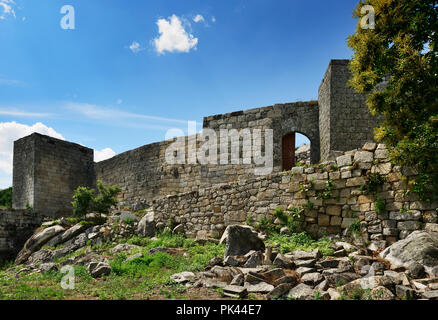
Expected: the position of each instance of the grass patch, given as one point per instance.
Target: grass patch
(300, 241)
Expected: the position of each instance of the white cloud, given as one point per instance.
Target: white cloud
(198, 18)
(99, 113)
(9, 82)
(103, 154)
(213, 19)
(6, 9)
(135, 47)
(173, 37)
(11, 131)
(19, 113)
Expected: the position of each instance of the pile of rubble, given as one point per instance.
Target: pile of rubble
(406, 270)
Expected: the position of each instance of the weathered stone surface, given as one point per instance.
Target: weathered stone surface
(66, 235)
(301, 271)
(283, 262)
(254, 260)
(431, 294)
(305, 255)
(261, 287)
(133, 257)
(183, 277)
(235, 291)
(312, 279)
(50, 266)
(146, 226)
(381, 293)
(98, 269)
(286, 279)
(302, 292)
(404, 292)
(41, 256)
(419, 247)
(279, 291)
(123, 247)
(237, 280)
(40, 238)
(240, 240)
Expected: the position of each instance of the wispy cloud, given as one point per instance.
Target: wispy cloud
(173, 36)
(97, 112)
(198, 18)
(7, 9)
(10, 82)
(20, 113)
(135, 47)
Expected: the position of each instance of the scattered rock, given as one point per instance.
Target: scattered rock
(261, 287)
(50, 266)
(381, 293)
(419, 247)
(133, 257)
(254, 260)
(279, 291)
(302, 292)
(237, 280)
(312, 279)
(146, 226)
(123, 247)
(283, 262)
(416, 270)
(98, 269)
(286, 279)
(240, 240)
(183, 277)
(234, 291)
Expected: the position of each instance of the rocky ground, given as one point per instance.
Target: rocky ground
(126, 256)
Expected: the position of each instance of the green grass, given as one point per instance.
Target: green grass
(300, 241)
(137, 279)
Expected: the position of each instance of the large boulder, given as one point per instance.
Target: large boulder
(420, 247)
(35, 242)
(66, 235)
(40, 238)
(240, 240)
(97, 269)
(146, 226)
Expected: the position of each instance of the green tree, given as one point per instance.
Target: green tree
(86, 201)
(396, 66)
(6, 198)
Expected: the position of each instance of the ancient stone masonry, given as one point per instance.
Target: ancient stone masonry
(336, 193)
(47, 170)
(16, 226)
(345, 121)
(46, 173)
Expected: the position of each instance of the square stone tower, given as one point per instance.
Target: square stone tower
(46, 173)
(345, 122)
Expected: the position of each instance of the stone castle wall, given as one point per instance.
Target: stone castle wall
(48, 170)
(143, 174)
(16, 226)
(208, 211)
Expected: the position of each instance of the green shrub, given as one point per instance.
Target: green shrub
(85, 201)
(6, 198)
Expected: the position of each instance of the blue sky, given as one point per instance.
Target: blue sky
(116, 82)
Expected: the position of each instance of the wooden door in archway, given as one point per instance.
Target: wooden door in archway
(288, 151)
